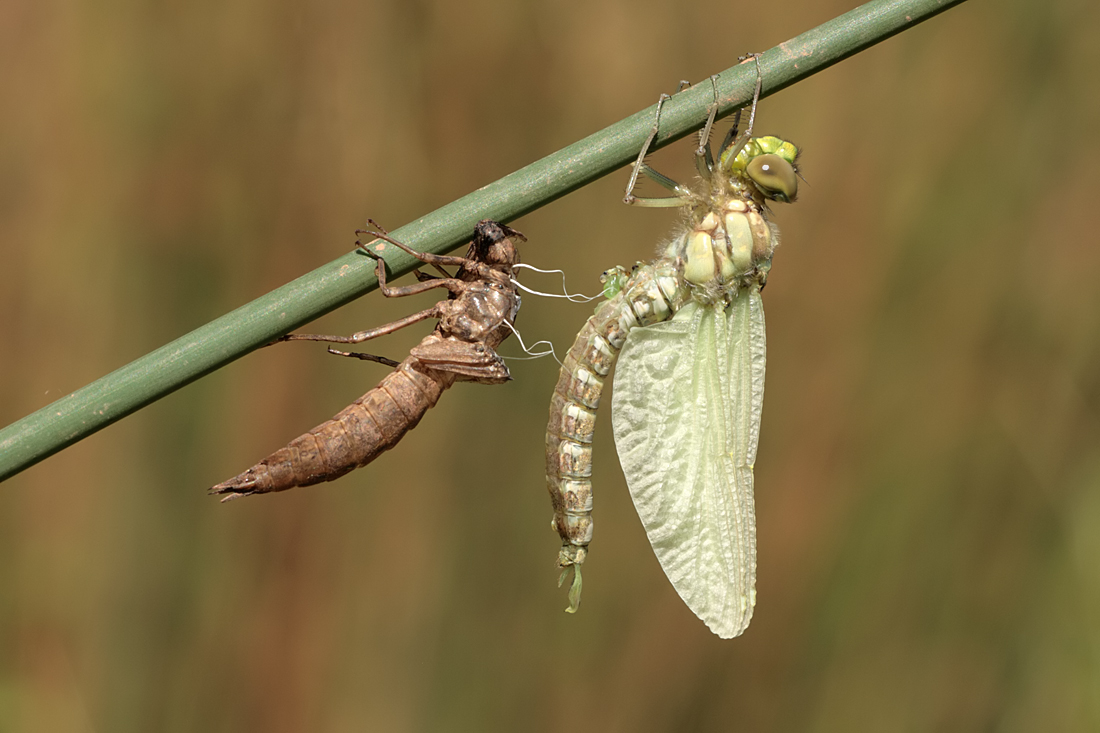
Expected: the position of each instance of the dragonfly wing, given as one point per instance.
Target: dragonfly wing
(686, 413)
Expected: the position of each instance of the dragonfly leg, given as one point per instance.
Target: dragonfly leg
(425, 277)
(640, 162)
(370, 333)
(366, 357)
(380, 232)
(451, 284)
(423, 286)
(682, 197)
(704, 159)
(428, 258)
(426, 282)
(735, 142)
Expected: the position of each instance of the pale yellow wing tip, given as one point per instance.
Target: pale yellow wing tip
(728, 628)
(729, 632)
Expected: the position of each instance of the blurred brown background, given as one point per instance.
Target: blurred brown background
(928, 485)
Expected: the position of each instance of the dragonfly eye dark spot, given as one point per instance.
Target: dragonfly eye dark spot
(774, 176)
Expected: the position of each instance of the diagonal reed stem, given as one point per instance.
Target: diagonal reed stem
(128, 389)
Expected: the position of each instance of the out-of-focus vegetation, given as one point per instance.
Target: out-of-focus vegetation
(928, 485)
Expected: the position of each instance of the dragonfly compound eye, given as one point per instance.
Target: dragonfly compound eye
(774, 176)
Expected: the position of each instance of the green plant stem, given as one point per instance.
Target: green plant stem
(255, 324)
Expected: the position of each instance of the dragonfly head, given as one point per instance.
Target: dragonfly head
(774, 176)
(769, 164)
(494, 244)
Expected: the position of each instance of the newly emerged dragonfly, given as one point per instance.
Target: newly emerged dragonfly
(473, 321)
(689, 383)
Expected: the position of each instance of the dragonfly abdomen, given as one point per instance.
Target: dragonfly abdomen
(357, 435)
(650, 295)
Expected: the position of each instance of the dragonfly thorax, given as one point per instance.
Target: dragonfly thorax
(728, 246)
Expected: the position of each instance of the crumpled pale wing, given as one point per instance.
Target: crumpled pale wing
(686, 413)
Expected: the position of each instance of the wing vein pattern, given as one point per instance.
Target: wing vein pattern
(686, 415)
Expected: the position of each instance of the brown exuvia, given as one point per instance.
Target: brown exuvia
(473, 321)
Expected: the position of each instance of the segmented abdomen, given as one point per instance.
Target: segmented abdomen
(651, 295)
(357, 435)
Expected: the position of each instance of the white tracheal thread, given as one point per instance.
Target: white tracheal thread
(571, 297)
(528, 350)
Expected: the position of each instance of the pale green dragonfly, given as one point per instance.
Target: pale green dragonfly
(689, 384)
